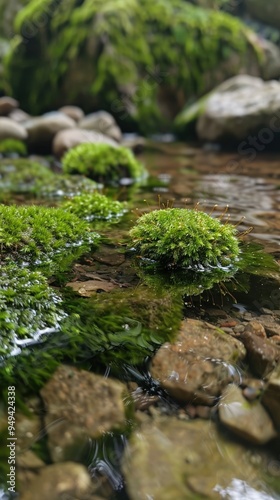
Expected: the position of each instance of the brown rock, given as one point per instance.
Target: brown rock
(271, 324)
(11, 130)
(256, 328)
(73, 112)
(262, 354)
(103, 122)
(199, 364)
(41, 130)
(271, 396)
(68, 139)
(7, 104)
(248, 420)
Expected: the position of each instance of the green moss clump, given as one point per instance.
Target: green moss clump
(22, 175)
(102, 163)
(9, 146)
(94, 206)
(38, 234)
(182, 238)
(29, 308)
(60, 186)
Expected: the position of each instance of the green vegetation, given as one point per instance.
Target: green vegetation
(103, 163)
(9, 146)
(28, 308)
(22, 175)
(182, 238)
(126, 53)
(94, 206)
(59, 186)
(38, 234)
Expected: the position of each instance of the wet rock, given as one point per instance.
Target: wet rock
(271, 396)
(28, 430)
(271, 63)
(41, 130)
(73, 112)
(240, 107)
(103, 122)
(248, 420)
(262, 353)
(68, 139)
(28, 460)
(199, 364)
(188, 459)
(60, 481)
(11, 130)
(270, 324)
(80, 404)
(256, 328)
(7, 104)
(267, 12)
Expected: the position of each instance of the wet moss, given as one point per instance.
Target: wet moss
(37, 235)
(183, 238)
(60, 186)
(10, 146)
(102, 163)
(94, 206)
(22, 175)
(29, 308)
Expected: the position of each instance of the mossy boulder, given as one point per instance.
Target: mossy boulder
(183, 238)
(29, 309)
(37, 235)
(138, 59)
(94, 206)
(60, 186)
(12, 146)
(102, 163)
(20, 175)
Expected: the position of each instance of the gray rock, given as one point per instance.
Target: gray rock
(19, 116)
(79, 405)
(263, 355)
(7, 104)
(73, 112)
(68, 139)
(248, 420)
(41, 130)
(183, 460)
(239, 108)
(103, 122)
(11, 130)
(59, 481)
(267, 12)
(199, 364)
(271, 396)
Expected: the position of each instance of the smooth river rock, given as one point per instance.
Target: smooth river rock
(79, 405)
(199, 364)
(73, 112)
(103, 122)
(241, 107)
(68, 139)
(9, 129)
(7, 104)
(41, 130)
(248, 420)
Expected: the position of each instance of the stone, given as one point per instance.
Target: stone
(57, 481)
(271, 63)
(199, 364)
(11, 130)
(7, 104)
(270, 324)
(256, 328)
(262, 354)
(68, 139)
(73, 112)
(28, 460)
(41, 130)
(79, 405)
(103, 122)
(168, 458)
(247, 420)
(238, 108)
(271, 396)
(266, 12)
(19, 116)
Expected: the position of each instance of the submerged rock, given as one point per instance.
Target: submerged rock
(80, 404)
(248, 420)
(240, 108)
(271, 397)
(199, 364)
(263, 355)
(168, 459)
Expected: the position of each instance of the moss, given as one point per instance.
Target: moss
(126, 325)
(22, 175)
(60, 186)
(38, 234)
(29, 308)
(182, 238)
(9, 146)
(94, 206)
(126, 52)
(103, 163)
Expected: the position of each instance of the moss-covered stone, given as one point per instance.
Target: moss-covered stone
(60, 186)
(103, 163)
(9, 146)
(29, 308)
(183, 238)
(39, 235)
(22, 175)
(136, 58)
(94, 206)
